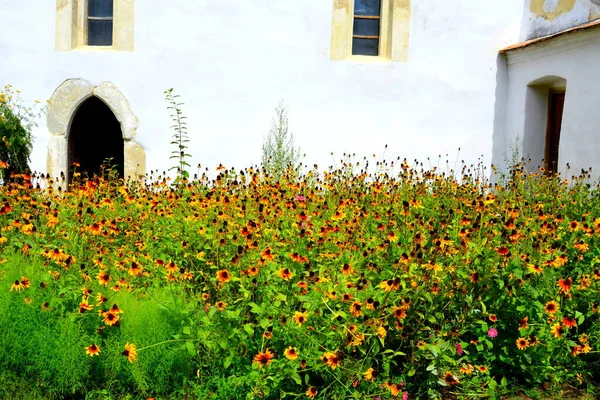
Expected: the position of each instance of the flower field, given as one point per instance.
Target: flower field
(335, 285)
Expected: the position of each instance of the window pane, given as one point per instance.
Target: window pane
(366, 27)
(100, 8)
(367, 7)
(100, 33)
(365, 47)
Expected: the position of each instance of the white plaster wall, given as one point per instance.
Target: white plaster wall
(232, 60)
(574, 57)
(556, 16)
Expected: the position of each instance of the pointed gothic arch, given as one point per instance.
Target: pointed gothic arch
(65, 103)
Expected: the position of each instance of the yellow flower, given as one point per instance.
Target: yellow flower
(291, 353)
(130, 352)
(300, 317)
(92, 350)
(370, 374)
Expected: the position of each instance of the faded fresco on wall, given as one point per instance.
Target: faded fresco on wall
(545, 17)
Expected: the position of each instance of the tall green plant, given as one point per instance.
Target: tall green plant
(278, 150)
(16, 124)
(180, 137)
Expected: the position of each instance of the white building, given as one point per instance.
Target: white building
(424, 77)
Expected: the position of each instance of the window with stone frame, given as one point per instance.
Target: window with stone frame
(94, 25)
(370, 30)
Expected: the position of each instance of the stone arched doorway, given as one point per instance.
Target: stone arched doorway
(95, 140)
(63, 118)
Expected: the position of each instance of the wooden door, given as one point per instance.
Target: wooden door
(556, 104)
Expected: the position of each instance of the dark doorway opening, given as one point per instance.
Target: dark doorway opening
(556, 105)
(95, 138)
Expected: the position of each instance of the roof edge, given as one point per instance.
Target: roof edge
(531, 42)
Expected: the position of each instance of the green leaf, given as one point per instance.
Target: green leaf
(190, 348)
(187, 330)
(297, 378)
(248, 328)
(255, 308)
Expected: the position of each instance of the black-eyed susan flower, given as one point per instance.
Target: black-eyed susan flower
(557, 330)
(110, 318)
(267, 254)
(135, 269)
(370, 374)
(311, 392)
(263, 358)
(285, 274)
(399, 312)
(522, 343)
(524, 324)
(171, 267)
(331, 359)
(551, 307)
(356, 309)
(92, 350)
(300, 317)
(347, 269)
(130, 352)
(103, 278)
(291, 353)
(100, 299)
(450, 379)
(223, 276)
(565, 285)
(85, 306)
(535, 268)
(115, 309)
(569, 322)
(19, 285)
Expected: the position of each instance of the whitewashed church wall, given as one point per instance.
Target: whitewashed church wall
(574, 58)
(233, 60)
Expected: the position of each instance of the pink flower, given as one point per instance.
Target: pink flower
(459, 349)
(405, 396)
(299, 198)
(492, 332)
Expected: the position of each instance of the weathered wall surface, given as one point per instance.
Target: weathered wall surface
(545, 17)
(232, 60)
(569, 61)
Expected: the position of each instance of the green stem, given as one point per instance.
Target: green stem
(159, 343)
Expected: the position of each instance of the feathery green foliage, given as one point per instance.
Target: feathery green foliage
(278, 150)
